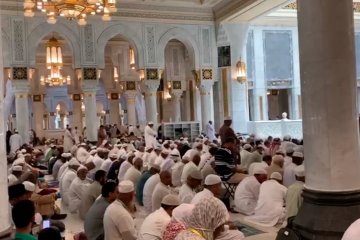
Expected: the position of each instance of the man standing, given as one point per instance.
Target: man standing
(118, 222)
(68, 140)
(93, 225)
(226, 131)
(16, 142)
(210, 131)
(150, 135)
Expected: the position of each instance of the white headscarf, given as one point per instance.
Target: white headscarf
(182, 212)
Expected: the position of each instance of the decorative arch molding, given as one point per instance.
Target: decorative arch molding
(125, 32)
(64, 31)
(183, 36)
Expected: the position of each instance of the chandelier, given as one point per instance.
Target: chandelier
(70, 9)
(54, 63)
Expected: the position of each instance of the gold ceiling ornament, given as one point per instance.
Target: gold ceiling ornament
(54, 63)
(70, 9)
(293, 6)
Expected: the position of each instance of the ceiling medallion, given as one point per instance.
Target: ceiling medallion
(70, 9)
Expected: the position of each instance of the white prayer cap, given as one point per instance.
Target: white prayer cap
(175, 153)
(17, 168)
(212, 179)
(92, 152)
(160, 140)
(299, 171)
(289, 149)
(150, 123)
(157, 147)
(74, 162)
(260, 170)
(186, 158)
(173, 145)
(196, 174)
(83, 144)
(123, 156)
(126, 186)
(103, 150)
(171, 200)
(19, 161)
(66, 155)
(165, 151)
(23, 151)
(277, 159)
(82, 167)
(276, 175)
(247, 146)
(228, 118)
(93, 147)
(155, 166)
(29, 186)
(113, 155)
(298, 154)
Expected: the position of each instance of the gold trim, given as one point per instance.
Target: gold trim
(151, 94)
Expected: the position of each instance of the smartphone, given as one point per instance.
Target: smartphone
(46, 224)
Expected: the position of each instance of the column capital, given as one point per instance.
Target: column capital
(206, 86)
(150, 86)
(20, 86)
(130, 94)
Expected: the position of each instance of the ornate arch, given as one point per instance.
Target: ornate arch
(125, 32)
(183, 36)
(44, 29)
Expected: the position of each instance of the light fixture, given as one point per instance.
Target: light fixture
(132, 58)
(116, 75)
(70, 9)
(54, 63)
(241, 72)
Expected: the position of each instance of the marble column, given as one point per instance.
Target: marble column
(21, 89)
(52, 118)
(90, 114)
(5, 225)
(114, 114)
(130, 103)
(206, 102)
(330, 119)
(150, 89)
(77, 115)
(175, 99)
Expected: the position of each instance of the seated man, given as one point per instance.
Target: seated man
(77, 189)
(23, 216)
(247, 192)
(294, 198)
(154, 169)
(212, 188)
(162, 189)
(270, 209)
(187, 190)
(155, 223)
(225, 165)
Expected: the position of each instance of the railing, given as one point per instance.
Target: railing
(277, 128)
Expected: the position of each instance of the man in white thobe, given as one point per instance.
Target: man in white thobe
(177, 170)
(150, 135)
(82, 154)
(191, 166)
(16, 142)
(270, 209)
(289, 173)
(162, 189)
(126, 165)
(212, 188)
(148, 191)
(68, 140)
(76, 135)
(118, 222)
(16, 172)
(134, 172)
(210, 131)
(67, 179)
(245, 155)
(106, 165)
(187, 191)
(154, 225)
(247, 192)
(77, 189)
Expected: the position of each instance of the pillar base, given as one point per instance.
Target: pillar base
(327, 215)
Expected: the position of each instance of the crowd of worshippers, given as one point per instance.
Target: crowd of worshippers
(180, 184)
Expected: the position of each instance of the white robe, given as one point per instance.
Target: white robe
(160, 191)
(210, 132)
(132, 174)
(82, 155)
(16, 142)
(123, 169)
(77, 189)
(68, 141)
(246, 195)
(270, 207)
(145, 158)
(118, 223)
(148, 191)
(353, 232)
(200, 196)
(12, 179)
(257, 165)
(76, 136)
(167, 164)
(154, 225)
(150, 136)
(98, 161)
(66, 181)
(186, 194)
(176, 173)
(289, 174)
(62, 170)
(106, 165)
